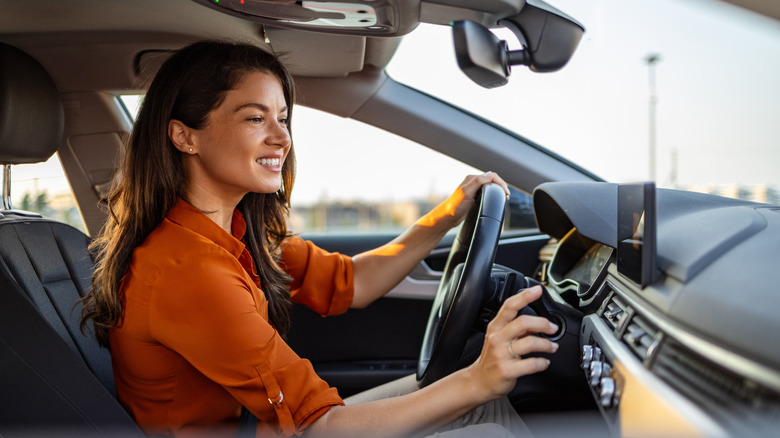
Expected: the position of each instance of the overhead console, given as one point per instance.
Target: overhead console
(346, 17)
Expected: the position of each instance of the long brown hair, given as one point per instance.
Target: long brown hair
(151, 179)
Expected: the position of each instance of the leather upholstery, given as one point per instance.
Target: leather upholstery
(49, 262)
(53, 378)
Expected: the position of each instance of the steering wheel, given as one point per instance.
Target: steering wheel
(460, 294)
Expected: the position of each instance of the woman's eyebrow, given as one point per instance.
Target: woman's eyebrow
(259, 106)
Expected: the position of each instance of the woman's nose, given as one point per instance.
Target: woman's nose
(279, 135)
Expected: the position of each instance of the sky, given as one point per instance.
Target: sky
(718, 106)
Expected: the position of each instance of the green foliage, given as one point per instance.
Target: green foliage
(40, 203)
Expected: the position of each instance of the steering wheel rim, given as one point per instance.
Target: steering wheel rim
(466, 277)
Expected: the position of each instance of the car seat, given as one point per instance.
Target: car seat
(53, 378)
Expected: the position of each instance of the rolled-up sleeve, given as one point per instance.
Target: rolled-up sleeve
(323, 281)
(211, 319)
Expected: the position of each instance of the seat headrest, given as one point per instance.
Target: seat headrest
(32, 119)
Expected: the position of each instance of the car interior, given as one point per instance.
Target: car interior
(653, 339)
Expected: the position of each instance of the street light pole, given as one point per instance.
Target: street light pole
(651, 60)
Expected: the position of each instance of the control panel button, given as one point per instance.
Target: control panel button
(598, 369)
(589, 354)
(607, 393)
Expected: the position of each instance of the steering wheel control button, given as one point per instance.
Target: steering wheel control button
(561, 323)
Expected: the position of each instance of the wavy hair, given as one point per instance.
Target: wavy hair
(150, 180)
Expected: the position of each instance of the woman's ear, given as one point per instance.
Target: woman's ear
(181, 137)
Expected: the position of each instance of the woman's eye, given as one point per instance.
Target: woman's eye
(255, 119)
(283, 121)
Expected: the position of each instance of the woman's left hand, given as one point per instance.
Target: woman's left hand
(453, 210)
(379, 270)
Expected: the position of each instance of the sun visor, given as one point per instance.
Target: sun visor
(324, 56)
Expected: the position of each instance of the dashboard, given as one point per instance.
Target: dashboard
(695, 352)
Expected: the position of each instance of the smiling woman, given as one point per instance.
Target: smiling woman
(242, 147)
(196, 272)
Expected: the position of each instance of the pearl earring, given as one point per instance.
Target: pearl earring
(190, 150)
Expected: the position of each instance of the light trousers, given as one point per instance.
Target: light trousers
(494, 419)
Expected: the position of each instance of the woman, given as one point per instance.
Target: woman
(196, 269)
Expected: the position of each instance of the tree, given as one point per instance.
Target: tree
(41, 202)
(26, 202)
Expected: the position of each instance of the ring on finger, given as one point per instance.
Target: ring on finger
(512, 352)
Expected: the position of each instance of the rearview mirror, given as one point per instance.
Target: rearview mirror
(480, 54)
(549, 38)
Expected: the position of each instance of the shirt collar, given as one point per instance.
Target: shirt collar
(186, 215)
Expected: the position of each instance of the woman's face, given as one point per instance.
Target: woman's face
(245, 141)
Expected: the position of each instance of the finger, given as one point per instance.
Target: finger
(472, 183)
(530, 344)
(529, 365)
(528, 324)
(492, 177)
(514, 304)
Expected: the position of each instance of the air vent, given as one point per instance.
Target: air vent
(614, 311)
(640, 336)
(743, 404)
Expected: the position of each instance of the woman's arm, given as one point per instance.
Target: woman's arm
(379, 270)
(492, 376)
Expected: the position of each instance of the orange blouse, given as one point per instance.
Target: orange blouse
(195, 343)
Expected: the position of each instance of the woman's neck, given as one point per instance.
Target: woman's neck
(216, 208)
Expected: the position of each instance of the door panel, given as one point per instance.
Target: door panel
(362, 348)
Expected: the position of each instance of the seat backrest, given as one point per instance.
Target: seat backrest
(44, 384)
(51, 375)
(50, 264)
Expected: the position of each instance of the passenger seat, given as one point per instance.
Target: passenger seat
(53, 379)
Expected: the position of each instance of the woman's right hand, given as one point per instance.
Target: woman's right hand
(509, 337)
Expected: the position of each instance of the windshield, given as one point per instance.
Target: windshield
(696, 81)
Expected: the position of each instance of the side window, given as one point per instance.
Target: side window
(355, 178)
(131, 102)
(519, 211)
(43, 188)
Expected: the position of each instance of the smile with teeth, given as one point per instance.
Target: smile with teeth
(271, 162)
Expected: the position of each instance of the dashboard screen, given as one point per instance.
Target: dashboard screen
(587, 269)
